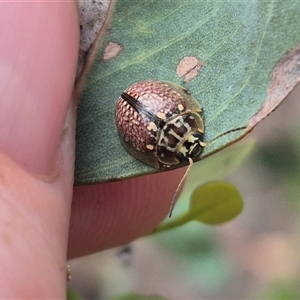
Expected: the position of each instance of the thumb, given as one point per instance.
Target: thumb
(38, 56)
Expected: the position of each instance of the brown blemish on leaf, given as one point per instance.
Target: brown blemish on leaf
(189, 68)
(111, 50)
(89, 48)
(93, 16)
(285, 77)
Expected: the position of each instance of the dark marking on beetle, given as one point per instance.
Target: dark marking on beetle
(141, 109)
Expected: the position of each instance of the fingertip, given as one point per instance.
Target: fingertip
(38, 61)
(112, 214)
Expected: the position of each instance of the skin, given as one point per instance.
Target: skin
(40, 226)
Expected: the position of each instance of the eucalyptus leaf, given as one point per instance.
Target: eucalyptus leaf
(239, 79)
(212, 203)
(215, 203)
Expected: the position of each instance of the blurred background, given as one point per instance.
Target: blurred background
(254, 256)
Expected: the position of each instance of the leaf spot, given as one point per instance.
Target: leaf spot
(189, 68)
(111, 50)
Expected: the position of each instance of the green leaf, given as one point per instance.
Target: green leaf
(215, 203)
(212, 203)
(72, 295)
(237, 43)
(132, 296)
(281, 291)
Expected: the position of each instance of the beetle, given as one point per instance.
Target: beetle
(160, 124)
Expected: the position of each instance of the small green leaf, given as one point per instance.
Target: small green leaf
(212, 203)
(215, 203)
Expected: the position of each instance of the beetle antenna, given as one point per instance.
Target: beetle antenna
(203, 144)
(175, 197)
